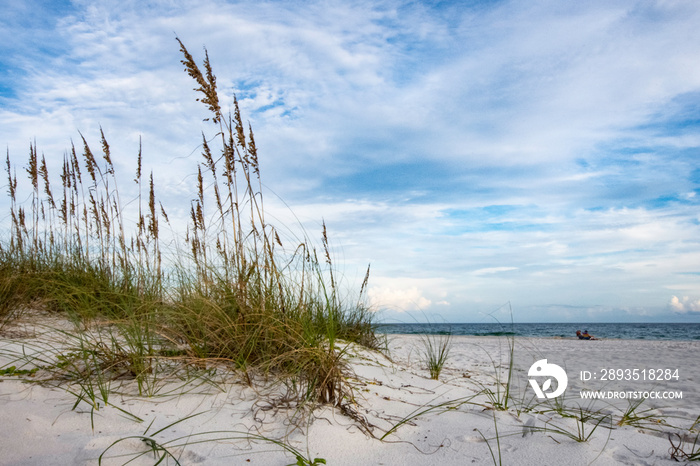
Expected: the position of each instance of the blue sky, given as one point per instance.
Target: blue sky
(542, 153)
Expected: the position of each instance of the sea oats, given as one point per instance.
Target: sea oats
(253, 151)
(106, 221)
(75, 166)
(200, 185)
(206, 153)
(162, 212)
(44, 173)
(66, 179)
(137, 180)
(153, 219)
(33, 169)
(11, 183)
(106, 153)
(207, 86)
(239, 123)
(90, 162)
(364, 282)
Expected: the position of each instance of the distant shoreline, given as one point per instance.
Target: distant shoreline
(608, 331)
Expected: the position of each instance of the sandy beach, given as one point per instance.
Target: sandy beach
(398, 416)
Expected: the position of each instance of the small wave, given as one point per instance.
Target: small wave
(497, 334)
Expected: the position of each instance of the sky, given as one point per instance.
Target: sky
(541, 154)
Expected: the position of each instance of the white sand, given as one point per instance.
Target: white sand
(39, 427)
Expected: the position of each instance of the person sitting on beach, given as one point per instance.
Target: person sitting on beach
(587, 336)
(579, 335)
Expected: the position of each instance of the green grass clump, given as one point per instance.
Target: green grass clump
(226, 292)
(436, 349)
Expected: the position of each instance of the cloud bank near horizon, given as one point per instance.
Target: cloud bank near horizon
(540, 153)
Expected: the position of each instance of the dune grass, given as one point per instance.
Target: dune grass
(227, 292)
(436, 350)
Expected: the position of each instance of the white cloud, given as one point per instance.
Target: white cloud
(398, 299)
(684, 305)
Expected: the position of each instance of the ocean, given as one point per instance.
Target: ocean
(623, 331)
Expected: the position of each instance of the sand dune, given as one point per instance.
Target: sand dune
(450, 421)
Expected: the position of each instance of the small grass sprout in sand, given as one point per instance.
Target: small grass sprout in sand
(632, 416)
(440, 408)
(500, 395)
(436, 349)
(584, 431)
(165, 450)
